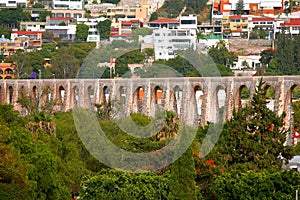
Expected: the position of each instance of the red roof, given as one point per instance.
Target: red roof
(126, 22)
(114, 29)
(60, 18)
(263, 19)
(28, 32)
(120, 35)
(165, 20)
(135, 20)
(237, 17)
(292, 22)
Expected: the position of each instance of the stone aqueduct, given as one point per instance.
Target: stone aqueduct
(148, 95)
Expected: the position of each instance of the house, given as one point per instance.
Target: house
(250, 7)
(125, 27)
(290, 26)
(67, 4)
(164, 23)
(30, 38)
(13, 4)
(141, 12)
(170, 35)
(167, 41)
(235, 26)
(93, 35)
(247, 62)
(293, 164)
(32, 26)
(62, 27)
(74, 14)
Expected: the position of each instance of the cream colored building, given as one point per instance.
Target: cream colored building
(141, 12)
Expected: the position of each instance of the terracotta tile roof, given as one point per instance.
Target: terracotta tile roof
(292, 22)
(165, 20)
(237, 17)
(259, 19)
(27, 32)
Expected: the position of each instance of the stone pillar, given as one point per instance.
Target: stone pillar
(68, 95)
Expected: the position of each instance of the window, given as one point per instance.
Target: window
(255, 22)
(244, 27)
(188, 22)
(156, 34)
(269, 22)
(238, 27)
(12, 2)
(237, 20)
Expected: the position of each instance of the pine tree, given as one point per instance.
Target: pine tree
(239, 7)
(254, 138)
(182, 181)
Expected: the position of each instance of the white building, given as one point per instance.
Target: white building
(32, 26)
(246, 62)
(93, 35)
(67, 4)
(13, 3)
(188, 22)
(170, 35)
(167, 41)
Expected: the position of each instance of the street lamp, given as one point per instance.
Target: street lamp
(53, 76)
(40, 74)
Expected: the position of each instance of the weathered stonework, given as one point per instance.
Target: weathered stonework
(86, 92)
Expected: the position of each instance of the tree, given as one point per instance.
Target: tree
(115, 184)
(256, 185)
(183, 185)
(254, 138)
(82, 31)
(6, 32)
(43, 15)
(64, 63)
(154, 16)
(266, 56)
(285, 47)
(11, 17)
(239, 7)
(21, 61)
(104, 28)
(221, 55)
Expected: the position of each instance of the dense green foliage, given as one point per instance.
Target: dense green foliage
(43, 15)
(38, 161)
(11, 17)
(286, 58)
(114, 184)
(254, 185)
(65, 60)
(221, 55)
(193, 64)
(104, 28)
(261, 138)
(5, 31)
